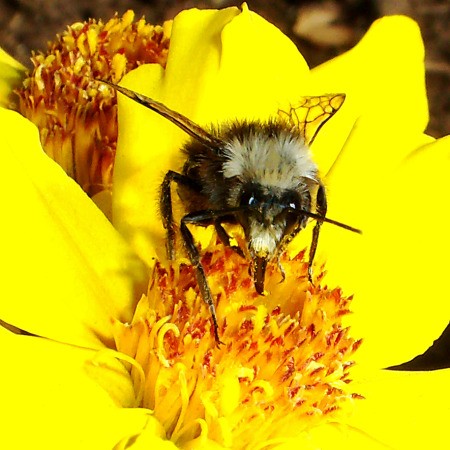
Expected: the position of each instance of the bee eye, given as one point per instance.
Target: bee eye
(248, 199)
(291, 201)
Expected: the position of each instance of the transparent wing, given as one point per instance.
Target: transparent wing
(191, 128)
(310, 114)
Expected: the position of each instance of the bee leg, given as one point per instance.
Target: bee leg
(321, 207)
(281, 269)
(202, 282)
(225, 238)
(165, 205)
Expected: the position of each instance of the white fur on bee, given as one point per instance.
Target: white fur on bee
(280, 161)
(264, 239)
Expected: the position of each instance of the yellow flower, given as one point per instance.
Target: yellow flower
(73, 281)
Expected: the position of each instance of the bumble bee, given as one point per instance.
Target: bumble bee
(259, 175)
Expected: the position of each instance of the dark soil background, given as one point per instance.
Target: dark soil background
(320, 28)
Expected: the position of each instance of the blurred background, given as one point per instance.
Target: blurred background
(321, 29)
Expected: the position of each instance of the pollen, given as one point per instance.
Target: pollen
(284, 366)
(75, 114)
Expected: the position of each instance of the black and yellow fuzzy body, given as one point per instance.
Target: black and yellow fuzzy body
(259, 175)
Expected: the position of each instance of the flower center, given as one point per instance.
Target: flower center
(77, 120)
(284, 366)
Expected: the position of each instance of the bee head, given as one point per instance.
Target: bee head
(269, 217)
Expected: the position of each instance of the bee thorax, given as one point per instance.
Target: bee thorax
(277, 158)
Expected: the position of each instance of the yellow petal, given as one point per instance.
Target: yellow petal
(66, 271)
(260, 70)
(403, 410)
(333, 436)
(383, 77)
(11, 75)
(149, 436)
(396, 268)
(219, 63)
(56, 396)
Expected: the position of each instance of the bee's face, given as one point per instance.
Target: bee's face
(269, 217)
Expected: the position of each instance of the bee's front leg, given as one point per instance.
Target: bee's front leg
(321, 207)
(200, 275)
(225, 238)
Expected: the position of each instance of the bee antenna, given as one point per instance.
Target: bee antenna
(320, 218)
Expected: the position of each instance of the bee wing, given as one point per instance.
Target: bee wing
(191, 128)
(310, 114)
